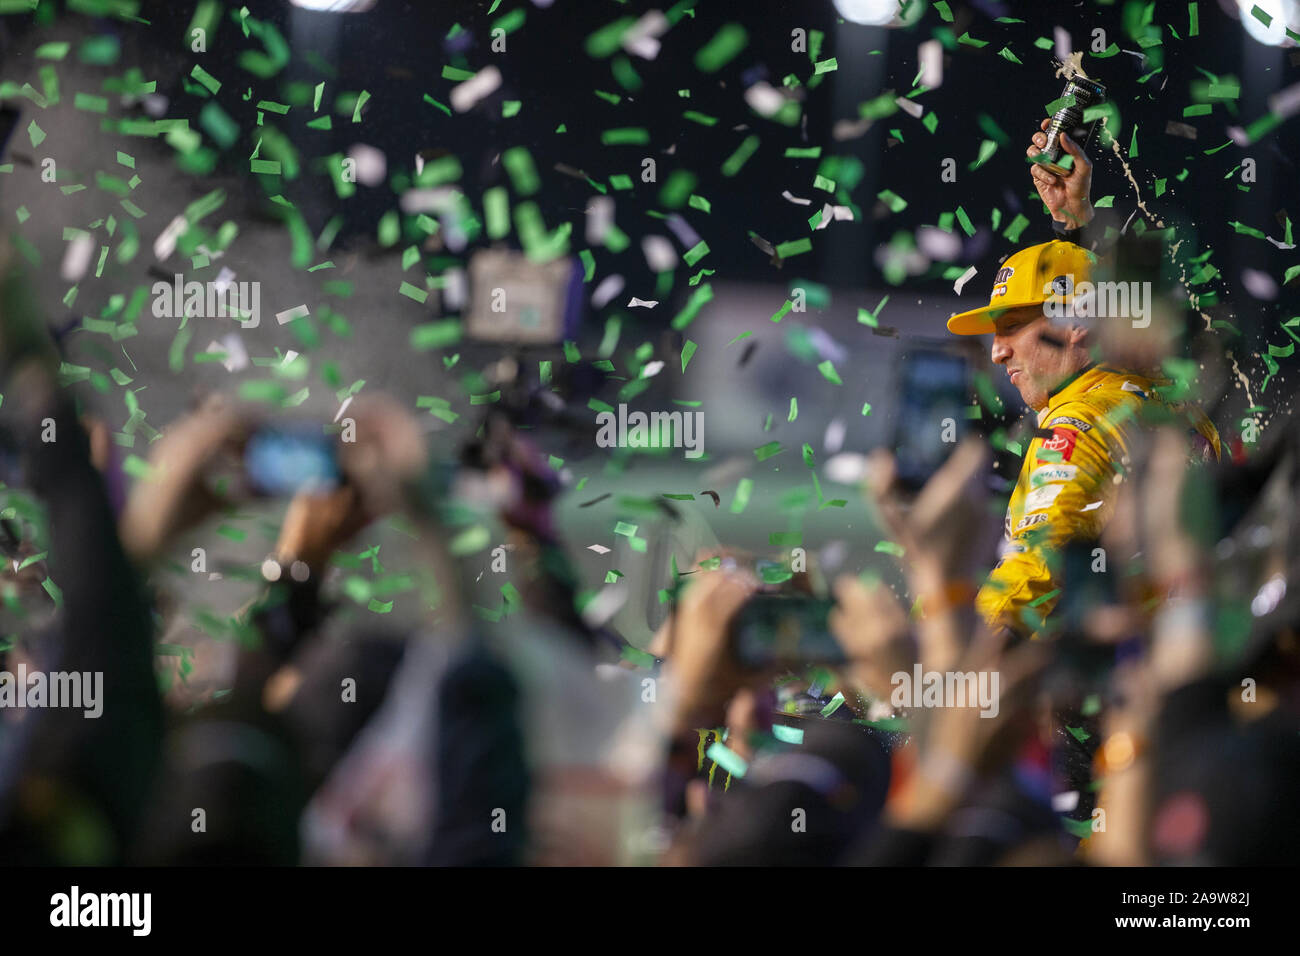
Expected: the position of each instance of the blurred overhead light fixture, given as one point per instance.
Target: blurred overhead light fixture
(335, 6)
(879, 13)
(1281, 15)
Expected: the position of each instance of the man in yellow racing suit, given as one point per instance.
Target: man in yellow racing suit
(1086, 414)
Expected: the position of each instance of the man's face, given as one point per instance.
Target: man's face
(1038, 355)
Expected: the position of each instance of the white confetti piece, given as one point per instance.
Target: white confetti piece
(598, 548)
(344, 407)
(165, 244)
(288, 315)
(764, 99)
(911, 107)
(371, 164)
(609, 287)
(652, 369)
(222, 282)
(687, 236)
(483, 83)
(1286, 102)
(833, 439)
(1065, 802)
(963, 279)
(795, 199)
(659, 253)
(930, 55)
(455, 291)
(76, 258)
(1063, 43)
(642, 303)
(642, 37)
(600, 216)
(236, 355)
(1092, 507)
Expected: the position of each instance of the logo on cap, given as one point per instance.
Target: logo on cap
(1060, 285)
(1000, 280)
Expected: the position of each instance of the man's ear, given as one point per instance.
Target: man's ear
(1079, 335)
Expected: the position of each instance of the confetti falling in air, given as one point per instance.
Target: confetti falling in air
(766, 161)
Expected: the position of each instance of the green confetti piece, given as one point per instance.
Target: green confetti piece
(743, 490)
(969, 40)
(435, 335)
(728, 759)
(699, 298)
(796, 247)
(764, 452)
(523, 174)
(825, 66)
(52, 51)
(835, 704)
(782, 312)
(735, 161)
(624, 136)
(787, 735)
(688, 350)
(413, 292)
(866, 408)
(701, 118)
(265, 166)
(206, 79)
(964, 221)
(1193, 20)
(930, 121)
(987, 148)
(637, 656)
(722, 49)
(1017, 226)
(945, 12)
(362, 98)
(889, 547)
(1006, 54)
(828, 372)
(91, 104)
(36, 134)
(696, 253)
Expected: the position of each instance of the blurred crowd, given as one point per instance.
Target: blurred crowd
(1157, 725)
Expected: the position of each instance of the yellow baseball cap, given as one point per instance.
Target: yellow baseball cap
(1033, 276)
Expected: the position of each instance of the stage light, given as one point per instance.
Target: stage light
(878, 13)
(1284, 13)
(335, 6)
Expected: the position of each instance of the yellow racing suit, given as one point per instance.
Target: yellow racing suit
(1067, 486)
